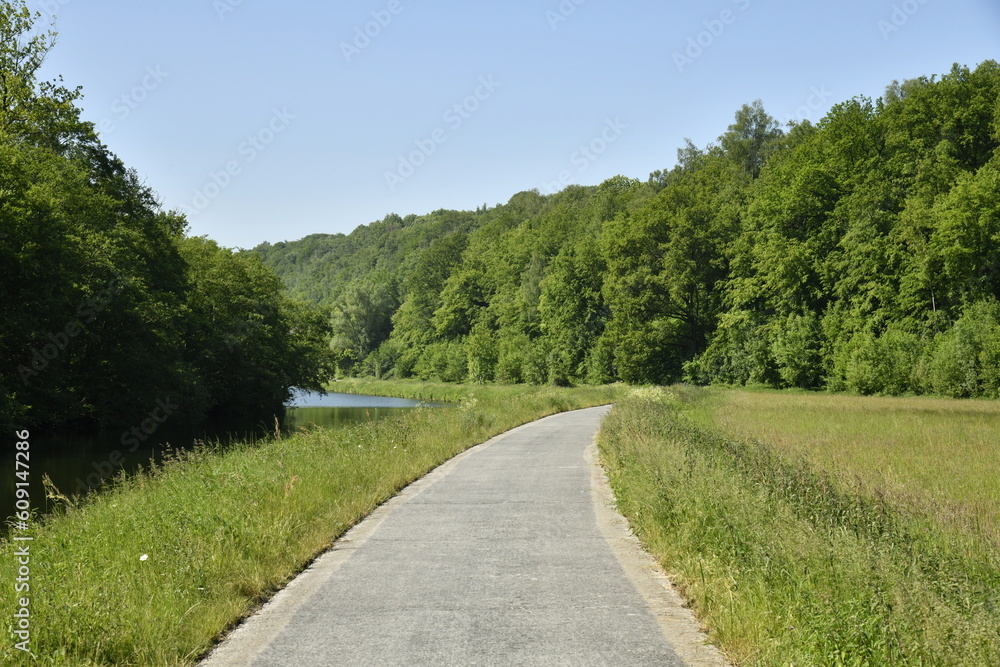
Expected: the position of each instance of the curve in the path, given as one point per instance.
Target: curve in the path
(507, 554)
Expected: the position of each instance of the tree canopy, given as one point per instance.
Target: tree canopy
(107, 305)
(860, 253)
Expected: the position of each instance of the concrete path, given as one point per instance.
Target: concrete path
(509, 554)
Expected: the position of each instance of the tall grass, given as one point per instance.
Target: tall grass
(153, 570)
(785, 563)
(942, 454)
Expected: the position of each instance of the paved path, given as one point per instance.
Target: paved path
(507, 555)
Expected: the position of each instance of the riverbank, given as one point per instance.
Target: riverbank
(789, 555)
(446, 392)
(154, 570)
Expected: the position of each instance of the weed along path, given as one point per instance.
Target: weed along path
(508, 554)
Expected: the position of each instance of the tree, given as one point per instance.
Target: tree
(362, 319)
(572, 307)
(966, 239)
(665, 262)
(463, 297)
(41, 113)
(751, 139)
(841, 253)
(413, 321)
(107, 307)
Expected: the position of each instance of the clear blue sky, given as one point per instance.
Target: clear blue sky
(301, 132)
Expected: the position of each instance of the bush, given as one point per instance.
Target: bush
(536, 363)
(651, 353)
(740, 353)
(796, 351)
(899, 355)
(446, 362)
(600, 363)
(559, 363)
(381, 362)
(407, 362)
(481, 348)
(888, 364)
(966, 359)
(953, 367)
(854, 364)
(511, 360)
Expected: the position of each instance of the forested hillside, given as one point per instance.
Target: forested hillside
(861, 253)
(110, 311)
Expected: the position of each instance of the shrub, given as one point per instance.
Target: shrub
(600, 363)
(966, 358)
(740, 353)
(796, 351)
(481, 348)
(443, 361)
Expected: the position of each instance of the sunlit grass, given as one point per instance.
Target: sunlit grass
(940, 453)
(786, 557)
(222, 531)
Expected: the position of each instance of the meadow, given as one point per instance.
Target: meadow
(941, 454)
(819, 529)
(154, 569)
(803, 528)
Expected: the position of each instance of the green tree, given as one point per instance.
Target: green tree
(40, 113)
(751, 139)
(464, 295)
(413, 322)
(572, 308)
(362, 319)
(665, 262)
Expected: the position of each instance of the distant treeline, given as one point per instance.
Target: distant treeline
(861, 253)
(109, 311)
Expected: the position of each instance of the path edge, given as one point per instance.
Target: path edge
(245, 642)
(677, 622)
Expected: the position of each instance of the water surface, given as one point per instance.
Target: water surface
(309, 409)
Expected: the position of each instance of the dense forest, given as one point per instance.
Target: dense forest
(109, 309)
(861, 253)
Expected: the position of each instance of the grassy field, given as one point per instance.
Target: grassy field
(812, 529)
(152, 571)
(942, 454)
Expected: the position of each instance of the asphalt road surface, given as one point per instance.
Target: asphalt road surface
(509, 554)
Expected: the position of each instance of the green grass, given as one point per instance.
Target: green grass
(942, 454)
(222, 531)
(785, 558)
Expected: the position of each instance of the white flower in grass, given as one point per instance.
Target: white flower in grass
(144, 557)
